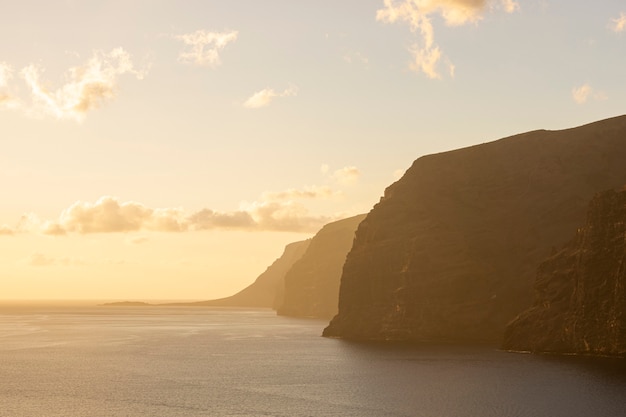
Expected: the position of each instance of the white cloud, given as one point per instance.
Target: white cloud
(87, 86)
(418, 13)
(108, 215)
(585, 92)
(347, 175)
(312, 192)
(138, 240)
(618, 24)
(287, 215)
(39, 259)
(6, 98)
(355, 57)
(6, 73)
(279, 211)
(510, 6)
(6, 230)
(206, 219)
(398, 173)
(266, 96)
(204, 47)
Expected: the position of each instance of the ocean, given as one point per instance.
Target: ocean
(189, 361)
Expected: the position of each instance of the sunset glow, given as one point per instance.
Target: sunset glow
(170, 150)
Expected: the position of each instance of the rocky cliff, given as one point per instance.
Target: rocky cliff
(580, 292)
(451, 250)
(312, 283)
(266, 290)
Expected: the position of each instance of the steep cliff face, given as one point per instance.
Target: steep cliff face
(312, 283)
(451, 250)
(266, 290)
(580, 292)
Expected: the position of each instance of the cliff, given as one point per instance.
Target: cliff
(312, 283)
(580, 292)
(450, 251)
(266, 290)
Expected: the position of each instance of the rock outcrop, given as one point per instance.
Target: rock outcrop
(580, 292)
(450, 251)
(312, 283)
(266, 290)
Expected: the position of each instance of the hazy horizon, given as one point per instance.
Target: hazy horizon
(168, 151)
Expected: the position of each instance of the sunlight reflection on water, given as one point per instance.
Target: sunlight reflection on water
(150, 361)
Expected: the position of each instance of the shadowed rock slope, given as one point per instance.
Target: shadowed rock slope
(580, 292)
(450, 251)
(312, 283)
(263, 292)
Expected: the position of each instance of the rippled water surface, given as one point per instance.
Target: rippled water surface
(152, 361)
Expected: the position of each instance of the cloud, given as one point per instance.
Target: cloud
(39, 259)
(303, 193)
(355, 57)
(28, 222)
(204, 47)
(347, 175)
(583, 93)
(398, 173)
(619, 24)
(284, 216)
(138, 240)
(278, 211)
(266, 96)
(510, 6)
(6, 98)
(6, 73)
(107, 215)
(206, 219)
(87, 87)
(6, 230)
(417, 14)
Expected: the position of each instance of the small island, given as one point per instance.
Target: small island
(126, 304)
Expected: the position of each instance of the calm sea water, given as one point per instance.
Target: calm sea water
(150, 361)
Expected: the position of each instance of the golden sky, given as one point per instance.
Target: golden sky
(169, 150)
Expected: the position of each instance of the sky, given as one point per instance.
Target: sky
(162, 150)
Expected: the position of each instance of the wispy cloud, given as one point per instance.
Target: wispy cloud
(355, 57)
(7, 99)
(348, 175)
(38, 259)
(87, 87)
(585, 92)
(6, 230)
(398, 173)
(266, 96)
(618, 24)
(426, 54)
(6, 73)
(204, 47)
(311, 192)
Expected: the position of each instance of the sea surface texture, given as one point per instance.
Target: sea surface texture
(153, 361)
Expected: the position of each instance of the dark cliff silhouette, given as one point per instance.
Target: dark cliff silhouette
(580, 292)
(450, 251)
(312, 284)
